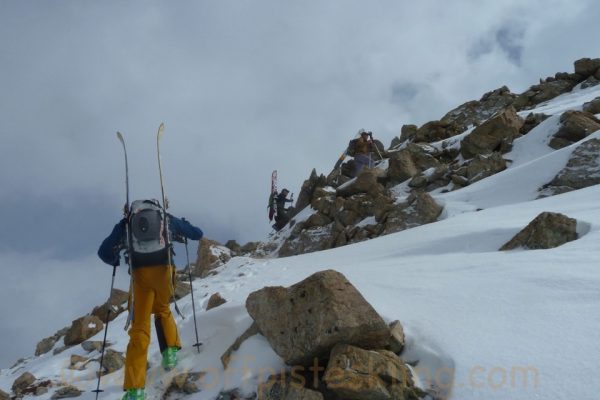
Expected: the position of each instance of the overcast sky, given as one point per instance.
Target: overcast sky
(244, 87)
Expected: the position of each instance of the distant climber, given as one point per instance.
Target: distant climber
(363, 146)
(283, 214)
(152, 284)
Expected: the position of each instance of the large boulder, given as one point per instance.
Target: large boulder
(113, 361)
(587, 66)
(357, 374)
(543, 92)
(324, 200)
(365, 182)
(496, 134)
(303, 241)
(434, 131)
(481, 166)
(593, 106)
(22, 382)
(574, 126)
(82, 329)
(546, 231)
(407, 132)
(419, 209)
(401, 167)
(532, 121)
(473, 113)
(118, 304)
(582, 170)
(305, 321)
(211, 255)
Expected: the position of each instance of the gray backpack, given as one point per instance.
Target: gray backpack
(149, 234)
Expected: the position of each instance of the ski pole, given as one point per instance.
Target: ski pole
(112, 284)
(187, 254)
(375, 145)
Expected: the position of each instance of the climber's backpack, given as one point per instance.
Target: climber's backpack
(351, 150)
(148, 232)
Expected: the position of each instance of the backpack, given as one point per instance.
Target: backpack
(351, 150)
(147, 234)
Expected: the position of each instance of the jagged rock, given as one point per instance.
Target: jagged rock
(251, 331)
(211, 255)
(75, 360)
(235, 247)
(546, 231)
(397, 341)
(82, 329)
(531, 121)
(363, 205)
(354, 373)
(592, 107)
(22, 382)
(575, 125)
(66, 392)
(4, 395)
(45, 345)
(434, 131)
(589, 82)
(419, 181)
(482, 166)
(186, 383)
(473, 113)
(250, 247)
(348, 168)
(496, 134)
(215, 301)
(543, 92)
(587, 66)
(308, 241)
(365, 182)
(582, 170)
(378, 152)
(286, 388)
(118, 304)
(306, 320)
(316, 220)
(423, 156)
(419, 209)
(113, 361)
(37, 388)
(91, 345)
(307, 190)
(401, 167)
(324, 200)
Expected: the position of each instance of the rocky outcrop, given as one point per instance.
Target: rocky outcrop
(397, 340)
(582, 170)
(308, 187)
(531, 121)
(82, 329)
(211, 255)
(587, 66)
(474, 113)
(22, 382)
(418, 209)
(365, 182)
(45, 345)
(592, 107)
(215, 301)
(546, 231)
(286, 388)
(303, 241)
(478, 168)
(574, 126)
(66, 392)
(434, 131)
(113, 361)
(118, 304)
(496, 134)
(543, 92)
(304, 322)
(356, 374)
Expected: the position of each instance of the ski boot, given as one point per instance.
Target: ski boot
(134, 394)
(169, 360)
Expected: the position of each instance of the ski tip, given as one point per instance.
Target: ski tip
(120, 136)
(161, 129)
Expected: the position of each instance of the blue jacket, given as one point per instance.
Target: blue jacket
(110, 249)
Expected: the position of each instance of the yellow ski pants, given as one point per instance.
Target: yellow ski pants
(152, 291)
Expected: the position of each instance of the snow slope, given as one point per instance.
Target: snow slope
(479, 323)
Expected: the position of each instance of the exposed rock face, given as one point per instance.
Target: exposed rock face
(4, 395)
(215, 301)
(546, 231)
(278, 388)
(118, 304)
(235, 247)
(582, 170)
(94, 345)
(401, 167)
(211, 255)
(480, 167)
(305, 321)
(82, 329)
(365, 182)
(397, 341)
(592, 107)
(22, 382)
(575, 125)
(531, 121)
(354, 373)
(543, 92)
(303, 241)
(496, 134)
(434, 131)
(308, 188)
(407, 132)
(473, 113)
(419, 209)
(45, 345)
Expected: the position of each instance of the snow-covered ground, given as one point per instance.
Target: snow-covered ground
(480, 323)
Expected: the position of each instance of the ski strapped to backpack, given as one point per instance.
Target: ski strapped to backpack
(273, 197)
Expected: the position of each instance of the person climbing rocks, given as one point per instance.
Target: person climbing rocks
(152, 274)
(283, 216)
(362, 152)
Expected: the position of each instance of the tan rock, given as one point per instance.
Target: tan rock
(211, 255)
(215, 301)
(82, 329)
(22, 382)
(574, 126)
(546, 231)
(118, 304)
